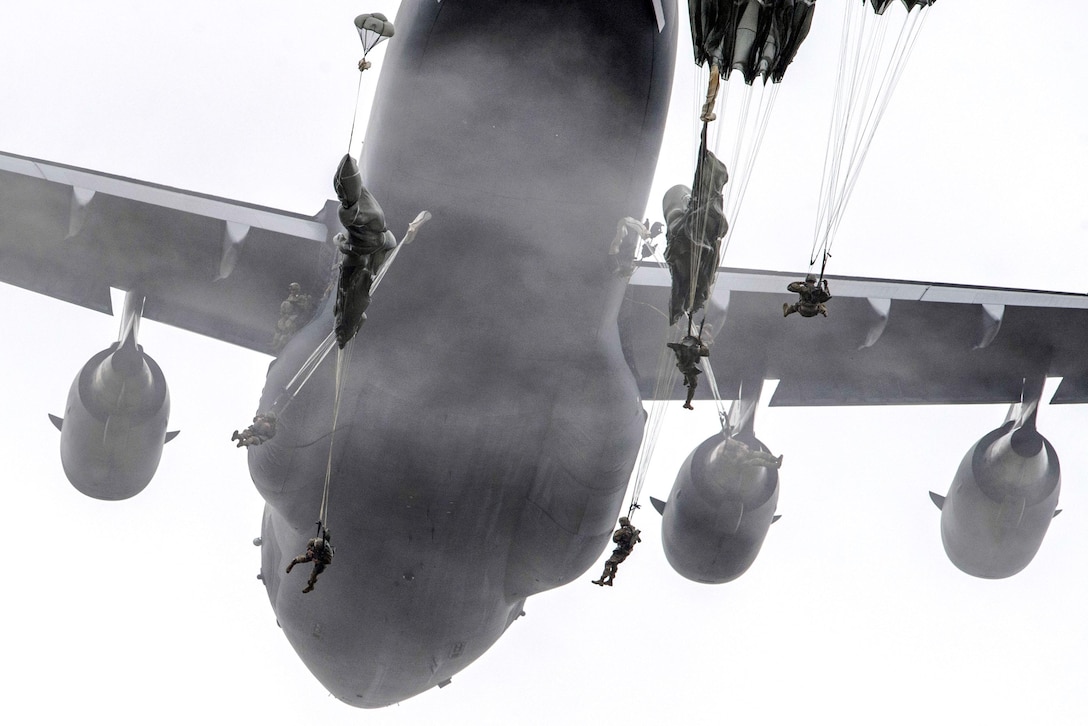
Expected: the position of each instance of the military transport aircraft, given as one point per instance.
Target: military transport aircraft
(491, 412)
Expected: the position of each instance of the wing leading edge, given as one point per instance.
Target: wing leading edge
(885, 341)
(213, 266)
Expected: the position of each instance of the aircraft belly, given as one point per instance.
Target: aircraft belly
(446, 510)
(488, 422)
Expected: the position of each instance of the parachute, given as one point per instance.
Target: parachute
(367, 245)
(696, 223)
(879, 6)
(373, 29)
(758, 39)
(868, 52)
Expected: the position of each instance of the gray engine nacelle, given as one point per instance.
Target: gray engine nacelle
(114, 424)
(718, 513)
(1001, 501)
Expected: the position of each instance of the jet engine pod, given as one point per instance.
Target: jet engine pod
(1001, 502)
(720, 508)
(114, 424)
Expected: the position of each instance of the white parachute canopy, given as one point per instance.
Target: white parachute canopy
(373, 28)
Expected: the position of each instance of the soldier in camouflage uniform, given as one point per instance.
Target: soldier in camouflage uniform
(295, 312)
(261, 430)
(688, 352)
(625, 538)
(812, 294)
(319, 551)
(626, 245)
(738, 452)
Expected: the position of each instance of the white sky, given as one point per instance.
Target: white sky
(148, 611)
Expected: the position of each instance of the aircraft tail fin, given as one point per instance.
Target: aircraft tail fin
(937, 499)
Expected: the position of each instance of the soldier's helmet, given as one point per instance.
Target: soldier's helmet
(319, 543)
(294, 287)
(810, 278)
(624, 521)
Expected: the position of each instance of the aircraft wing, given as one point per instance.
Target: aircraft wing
(883, 342)
(214, 266)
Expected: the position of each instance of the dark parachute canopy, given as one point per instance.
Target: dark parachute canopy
(879, 6)
(367, 244)
(759, 38)
(695, 222)
(373, 28)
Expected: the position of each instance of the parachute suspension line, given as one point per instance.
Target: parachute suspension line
(355, 116)
(306, 370)
(326, 346)
(742, 126)
(845, 90)
(858, 112)
(903, 48)
(832, 136)
(700, 81)
(667, 374)
(854, 94)
(723, 105)
(723, 414)
(323, 513)
(738, 186)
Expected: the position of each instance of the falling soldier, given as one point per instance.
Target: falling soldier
(319, 550)
(625, 538)
(295, 312)
(739, 453)
(813, 295)
(688, 352)
(261, 430)
(633, 239)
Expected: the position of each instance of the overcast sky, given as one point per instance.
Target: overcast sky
(148, 610)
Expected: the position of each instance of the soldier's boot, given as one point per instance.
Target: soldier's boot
(785, 309)
(290, 564)
(235, 436)
(778, 461)
(599, 582)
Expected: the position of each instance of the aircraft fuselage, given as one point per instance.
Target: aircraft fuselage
(488, 422)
